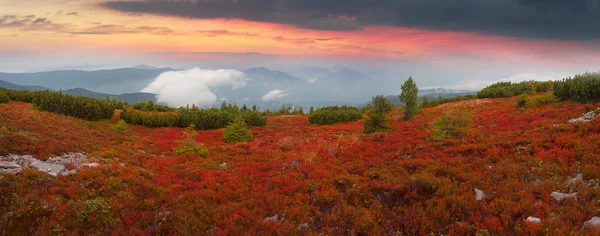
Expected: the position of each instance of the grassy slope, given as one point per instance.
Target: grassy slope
(330, 179)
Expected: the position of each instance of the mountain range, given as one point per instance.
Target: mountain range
(306, 86)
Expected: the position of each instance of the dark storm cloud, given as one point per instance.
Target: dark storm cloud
(554, 19)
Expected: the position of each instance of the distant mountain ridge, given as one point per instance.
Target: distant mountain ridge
(130, 98)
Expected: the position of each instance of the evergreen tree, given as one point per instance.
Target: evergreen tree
(300, 111)
(254, 108)
(311, 110)
(244, 108)
(378, 114)
(237, 132)
(409, 97)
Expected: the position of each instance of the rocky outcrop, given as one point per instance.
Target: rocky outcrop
(586, 117)
(63, 165)
(534, 220)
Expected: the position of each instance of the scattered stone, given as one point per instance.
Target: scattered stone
(223, 165)
(55, 166)
(92, 165)
(10, 167)
(534, 220)
(561, 196)
(576, 179)
(274, 218)
(595, 221)
(479, 194)
(585, 117)
(303, 226)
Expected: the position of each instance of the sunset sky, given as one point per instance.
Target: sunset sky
(482, 39)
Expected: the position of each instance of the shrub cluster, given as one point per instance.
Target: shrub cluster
(151, 106)
(441, 100)
(20, 96)
(80, 107)
(509, 89)
(452, 124)
(203, 119)
(334, 114)
(3, 97)
(150, 119)
(580, 88)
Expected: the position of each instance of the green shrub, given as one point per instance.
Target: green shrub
(80, 107)
(377, 115)
(237, 132)
(409, 97)
(20, 95)
(522, 100)
(255, 118)
(509, 89)
(121, 127)
(454, 123)
(149, 119)
(434, 103)
(580, 88)
(334, 114)
(3, 97)
(151, 106)
(189, 146)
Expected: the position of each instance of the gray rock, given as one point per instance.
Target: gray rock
(561, 196)
(595, 221)
(578, 178)
(479, 194)
(10, 167)
(274, 218)
(51, 169)
(585, 117)
(534, 220)
(92, 165)
(223, 165)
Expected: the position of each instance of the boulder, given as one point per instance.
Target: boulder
(274, 218)
(479, 194)
(534, 220)
(561, 196)
(594, 222)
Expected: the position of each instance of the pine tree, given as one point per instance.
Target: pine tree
(237, 132)
(311, 110)
(378, 114)
(409, 97)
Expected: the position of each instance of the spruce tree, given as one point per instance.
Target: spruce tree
(237, 132)
(409, 97)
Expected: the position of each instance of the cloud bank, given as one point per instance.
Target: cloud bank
(274, 95)
(194, 86)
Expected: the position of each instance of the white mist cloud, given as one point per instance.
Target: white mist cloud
(274, 95)
(180, 88)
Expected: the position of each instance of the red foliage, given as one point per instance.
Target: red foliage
(328, 179)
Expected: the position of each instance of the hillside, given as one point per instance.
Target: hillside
(296, 178)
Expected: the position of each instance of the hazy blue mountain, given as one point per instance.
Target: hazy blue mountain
(145, 67)
(115, 81)
(11, 86)
(130, 98)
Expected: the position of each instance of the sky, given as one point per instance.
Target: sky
(438, 42)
